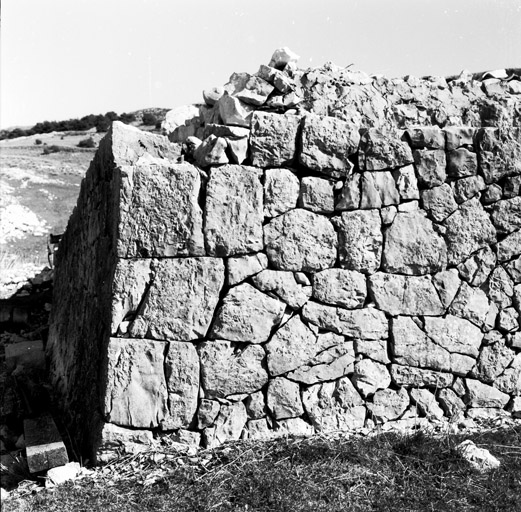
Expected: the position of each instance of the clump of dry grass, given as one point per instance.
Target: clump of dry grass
(386, 472)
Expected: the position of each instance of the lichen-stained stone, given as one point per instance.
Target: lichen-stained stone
(478, 267)
(182, 383)
(378, 189)
(459, 136)
(242, 267)
(369, 376)
(207, 412)
(159, 211)
(283, 398)
(455, 334)
(506, 215)
(373, 349)
(412, 247)
(182, 297)
(492, 361)
(500, 288)
(470, 303)
(284, 285)
(326, 144)
(483, 395)
(412, 347)
(316, 194)
(129, 284)
(510, 380)
(234, 211)
(406, 183)
(461, 163)
(291, 346)
(405, 295)
(430, 167)
(136, 392)
(409, 376)
(228, 426)
(367, 323)
(499, 153)
(439, 202)
(281, 191)
(467, 188)
(360, 240)
(426, 137)
(330, 364)
(349, 197)
(426, 402)
(247, 315)
(227, 369)
(340, 287)
(379, 151)
(509, 247)
(273, 139)
(467, 230)
(334, 406)
(388, 405)
(450, 402)
(447, 284)
(300, 241)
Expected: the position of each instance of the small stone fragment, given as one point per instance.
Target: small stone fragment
(284, 398)
(349, 198)
(409, 376)
(439, 202)
(406, 183)
(470, 303)
(388, 404)
(426, 402)
(212, 151)
(234, 112)
(447, 284)
(478, 267)
(242, 267)
(284, 286)
(316, 194)
(281, 192)
(369, 376)
(378, 189)
(482, 395)
(426, 137)
(467, 188)
(506, 215)
(479, 458)
(339, 287)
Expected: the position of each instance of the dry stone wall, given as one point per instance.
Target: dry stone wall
(315, 250)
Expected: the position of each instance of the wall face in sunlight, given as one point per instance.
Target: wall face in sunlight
(308, 251)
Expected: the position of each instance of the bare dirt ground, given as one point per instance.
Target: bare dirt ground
(37, 195)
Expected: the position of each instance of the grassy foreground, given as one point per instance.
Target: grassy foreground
(387, 472)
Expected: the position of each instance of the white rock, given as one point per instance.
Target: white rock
(56, 476)
(478, 458)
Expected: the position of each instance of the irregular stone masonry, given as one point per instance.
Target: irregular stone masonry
(298, 271)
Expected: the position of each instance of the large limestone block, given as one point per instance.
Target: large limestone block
(291, 346)
(483, 395)
(412, 247)
(412, 347)
(229, 370)
(468, 229)
(330, 364)
(405, 295)
(388, 405)
(430, 167)
(136, 392)
(378, 189)
(329, 158)
(379, 151)
(284, 285)
(283, 398)
(409, 376)
(182, 383)
(499, 153)
(281, 191)
(340, 287)
(369, 376)
(129, 284)
(300, 241)
(367, 323)
(439, 202)
(360, 240)
(182, 297)
(234, 211)
(506, 215)
(247, 315)
(334, 406)
(159, 211)
(455, 334)
(273, 139)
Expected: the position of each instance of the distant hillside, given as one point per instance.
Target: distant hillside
(101, 122)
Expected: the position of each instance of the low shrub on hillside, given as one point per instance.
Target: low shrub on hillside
(87, 143)
(47, 150)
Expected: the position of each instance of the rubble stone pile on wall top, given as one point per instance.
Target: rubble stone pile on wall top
(316, 250)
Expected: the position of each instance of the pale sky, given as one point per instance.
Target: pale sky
(68, 58)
